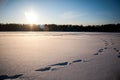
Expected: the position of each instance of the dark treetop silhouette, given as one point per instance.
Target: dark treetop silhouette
(55, 27)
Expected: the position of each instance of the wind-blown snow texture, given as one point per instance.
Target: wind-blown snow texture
(59, 56)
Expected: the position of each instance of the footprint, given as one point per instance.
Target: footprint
(60, 64)
(106, 44)
(100, 50)
(105, 48)
(3, 77)
(116, 49)
(51, 67)
(44, 69)
(118, 56)
(96, 53)
(75, 61)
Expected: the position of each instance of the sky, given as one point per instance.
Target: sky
(85, 12)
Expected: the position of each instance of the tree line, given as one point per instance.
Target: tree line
(19, 27)
(55, 27)
(81, 28)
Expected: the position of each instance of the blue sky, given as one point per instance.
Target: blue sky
(86, 12)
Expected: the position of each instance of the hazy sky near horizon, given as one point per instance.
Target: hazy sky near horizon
(61, 11)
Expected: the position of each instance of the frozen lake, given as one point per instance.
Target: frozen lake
(59, 56)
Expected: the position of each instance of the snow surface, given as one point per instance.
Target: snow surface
(59, 56)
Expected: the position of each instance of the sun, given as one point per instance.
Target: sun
(31, 17)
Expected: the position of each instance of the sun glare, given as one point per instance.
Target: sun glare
(31, 17)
